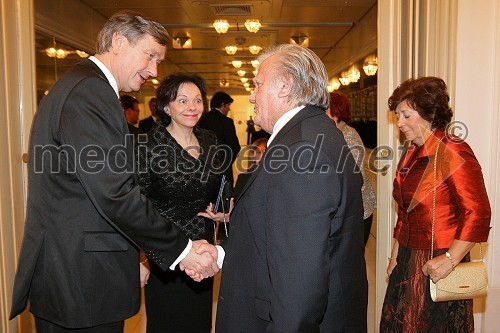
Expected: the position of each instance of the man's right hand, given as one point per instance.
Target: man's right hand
(200, 265)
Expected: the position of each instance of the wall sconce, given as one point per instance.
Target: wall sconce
(255, 63)
(252, 25)
(236, 63)
(56, 53)
(231, 49)
(353, 74)
(182, 42)
(61, 53)
(82, 54)
(244, 79)
(241, 72)
(300, 40)
(223, 83)
(344, 79)
(370, 65)
(254, 49)
(221, 26)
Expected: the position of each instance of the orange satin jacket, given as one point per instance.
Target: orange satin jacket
(462, 206)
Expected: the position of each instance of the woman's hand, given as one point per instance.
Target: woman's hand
(391, 265)
(144, 272)
(440, 267)
(437, 268)
(392, 259)
(219, 216)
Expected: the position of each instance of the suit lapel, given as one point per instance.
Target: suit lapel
(306, 112)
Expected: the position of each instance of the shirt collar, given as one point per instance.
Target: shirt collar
(283, 120)
(107, 73)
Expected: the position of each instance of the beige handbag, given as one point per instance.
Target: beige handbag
(467, 280)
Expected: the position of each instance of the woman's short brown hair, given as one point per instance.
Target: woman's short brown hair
(428, 96)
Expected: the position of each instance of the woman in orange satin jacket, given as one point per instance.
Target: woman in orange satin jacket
(461, 215)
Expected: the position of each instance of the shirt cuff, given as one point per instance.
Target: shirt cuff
(183, 255)
(220, 255)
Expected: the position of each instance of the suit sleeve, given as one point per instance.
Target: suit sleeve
(232, 139)
(93, 129)
(300, 214)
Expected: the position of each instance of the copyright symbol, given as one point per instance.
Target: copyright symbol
(457, 131)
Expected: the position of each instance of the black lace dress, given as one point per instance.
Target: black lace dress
(180, 186)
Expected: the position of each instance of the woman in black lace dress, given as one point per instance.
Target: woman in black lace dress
(178, 171)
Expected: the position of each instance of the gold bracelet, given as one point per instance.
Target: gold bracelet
(392, 258)
(448, 255)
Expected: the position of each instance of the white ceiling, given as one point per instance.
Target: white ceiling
(340, 31)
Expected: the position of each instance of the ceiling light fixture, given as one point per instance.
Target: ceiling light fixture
(223, 83)
(237, 63)
(182, 42)
(244, 79)
(252, 25)
(334, 84)
(254, 49)
(231, 49)
(255, 63)
(344, 79)
(221, 26)
(241, 72)
(300, 40)
(353, 74)
(370, 65)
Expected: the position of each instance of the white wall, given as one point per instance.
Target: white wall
(477, 104)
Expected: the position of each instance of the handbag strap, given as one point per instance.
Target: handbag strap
(434, 207)
(434, 200)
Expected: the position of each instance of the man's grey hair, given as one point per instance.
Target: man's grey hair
(310, 80)
(133, 26)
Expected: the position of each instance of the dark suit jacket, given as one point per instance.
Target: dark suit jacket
(225, 130)
(294, 258)
(136, 133)
(86, 217)
(147, 124)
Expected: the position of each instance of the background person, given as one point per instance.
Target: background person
(462, 212)
(79, 261)
(131, 109)
(340, 112)
(223, 126)
(178, 173)
(147, 124)
(294, 260)
(255, 153)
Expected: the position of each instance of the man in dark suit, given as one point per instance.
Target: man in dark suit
(86, 218)
(223, 126)
(131, 110)
(294, 259)
(147, 124)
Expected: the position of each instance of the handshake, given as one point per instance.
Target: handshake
(201, 261)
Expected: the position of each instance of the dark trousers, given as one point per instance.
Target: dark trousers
(44, 326)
